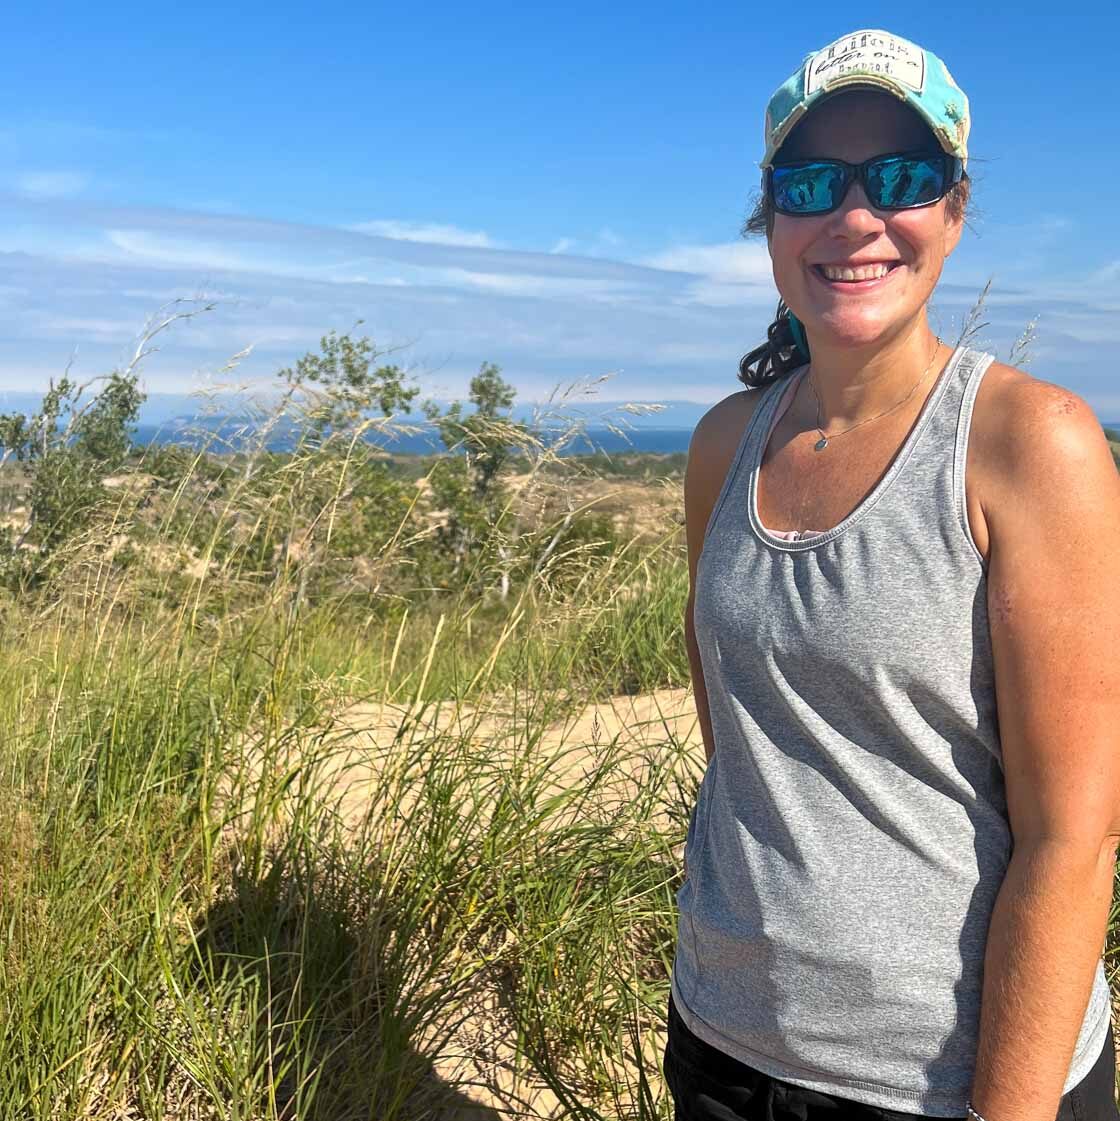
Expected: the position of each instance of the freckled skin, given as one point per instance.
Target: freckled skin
(1061, 401)
(999, 605)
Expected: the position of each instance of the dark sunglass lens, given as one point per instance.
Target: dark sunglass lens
(903, 181)
(807, 188)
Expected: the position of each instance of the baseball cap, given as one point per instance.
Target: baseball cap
(879, 60)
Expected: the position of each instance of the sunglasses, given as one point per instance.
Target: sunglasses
(897, 181)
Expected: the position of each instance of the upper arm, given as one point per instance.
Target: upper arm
(1053, 514)
(710, 451)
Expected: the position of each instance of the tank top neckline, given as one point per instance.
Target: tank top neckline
(785, 399)
(759, 429)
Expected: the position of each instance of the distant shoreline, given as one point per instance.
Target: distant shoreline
(645, 440)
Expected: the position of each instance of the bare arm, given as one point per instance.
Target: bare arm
(699, 690)
(710, 452)
(1053, 599)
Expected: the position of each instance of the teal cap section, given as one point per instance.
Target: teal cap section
(879, 60)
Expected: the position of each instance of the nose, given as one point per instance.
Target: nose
(855, 217)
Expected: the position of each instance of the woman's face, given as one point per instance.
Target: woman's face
(856, 126)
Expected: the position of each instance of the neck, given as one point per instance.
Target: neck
(854, 383)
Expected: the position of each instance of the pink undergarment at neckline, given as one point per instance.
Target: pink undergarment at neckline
(787, 534)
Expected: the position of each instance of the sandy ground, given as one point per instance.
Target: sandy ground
(366, 738)
(632, 725)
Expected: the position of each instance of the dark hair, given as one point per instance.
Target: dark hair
(775, 358)
(780, 355)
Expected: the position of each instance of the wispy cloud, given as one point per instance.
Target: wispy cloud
(721, 271)
(431, 232)
(1106, 274)
(589, 288)
(152, 248)
(735, 262)
(50, 184)
(605, 243)
(673, 324)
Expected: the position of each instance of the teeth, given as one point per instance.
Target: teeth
(864, 272)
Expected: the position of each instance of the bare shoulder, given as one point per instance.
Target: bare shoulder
(710, 451)
(1033, 442)
(1020, 419)
(714, 441)
(719, 430)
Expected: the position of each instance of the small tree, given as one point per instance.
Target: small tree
(350, 384)
(468, 487)
(486, 437)
(67, 450)
(337, 472)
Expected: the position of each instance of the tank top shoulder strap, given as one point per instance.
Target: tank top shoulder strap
(747, 452)
(931, 447)
(928, 481)
(953, 408)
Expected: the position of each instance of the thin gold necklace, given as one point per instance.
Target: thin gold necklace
(822, 443)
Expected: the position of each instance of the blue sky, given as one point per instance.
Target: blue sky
(557, 189)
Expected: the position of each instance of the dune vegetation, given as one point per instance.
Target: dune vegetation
(307, 815)
(338, 786)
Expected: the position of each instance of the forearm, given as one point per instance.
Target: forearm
(1046, 935)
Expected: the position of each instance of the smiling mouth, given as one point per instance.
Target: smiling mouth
(863, 277)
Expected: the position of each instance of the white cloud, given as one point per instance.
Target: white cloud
(245, 257)
(50, 184)
(606, 243)
(726, 275)
(88, 328)
(176, 251)
(78, 274)
(1106, 273)
(521, 284)
(733, 262)
(431, 232)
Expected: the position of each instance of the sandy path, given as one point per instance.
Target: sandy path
(631, 727)
(634, 726)
(366, 739)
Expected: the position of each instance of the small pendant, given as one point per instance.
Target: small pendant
(821, 444)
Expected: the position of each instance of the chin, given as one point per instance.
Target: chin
(853, 331)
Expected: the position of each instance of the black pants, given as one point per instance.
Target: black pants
(708, 1085)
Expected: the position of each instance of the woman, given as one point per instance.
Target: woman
(905, 564)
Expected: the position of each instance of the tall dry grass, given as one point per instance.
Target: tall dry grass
(223, 895)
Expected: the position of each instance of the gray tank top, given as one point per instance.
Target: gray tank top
(851, 833)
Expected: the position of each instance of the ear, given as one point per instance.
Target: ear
(953, 231)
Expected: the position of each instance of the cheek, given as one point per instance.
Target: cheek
(789, 242)
(922, 231)
(791, 235)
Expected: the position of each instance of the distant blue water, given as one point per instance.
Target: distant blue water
(647, 438)
(655, 440)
